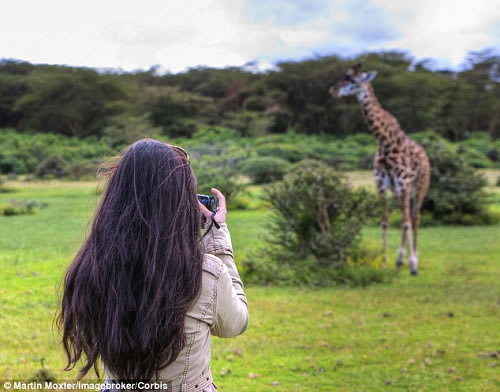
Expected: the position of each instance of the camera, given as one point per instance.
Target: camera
(210, 202)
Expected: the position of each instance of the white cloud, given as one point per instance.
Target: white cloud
(444, 29)
(177, 35)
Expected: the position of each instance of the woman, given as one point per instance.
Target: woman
(143, 294)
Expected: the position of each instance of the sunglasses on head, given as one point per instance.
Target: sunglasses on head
(180, 151)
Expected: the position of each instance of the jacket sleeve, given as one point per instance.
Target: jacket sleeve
(231, 306)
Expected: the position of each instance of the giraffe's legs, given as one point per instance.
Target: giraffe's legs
(401, 250)
(415, 220)
(384, 221)
(423, 186)
(406, 233)
(384, 224)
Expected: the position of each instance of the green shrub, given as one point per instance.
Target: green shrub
(184, 128)
(314, 228)
(493, 154)
(19, 207)
(287, 151)
(263, 170)
(25, 153)
(12, 164)
(456, 194)
(474, 157)
(82, 169)
(247, 123)
(52, 167)
(257, 103)
(279, 121)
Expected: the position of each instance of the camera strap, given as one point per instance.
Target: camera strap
(212, 223)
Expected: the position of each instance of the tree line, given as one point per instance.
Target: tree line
(84, 102)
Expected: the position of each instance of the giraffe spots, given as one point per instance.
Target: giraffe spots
(399, 162)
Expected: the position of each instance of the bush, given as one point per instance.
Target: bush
(315, 226)
(10, 164)
(52, 167)
(473, 157)
(26, 153)
(247, 123)
(456, 194)
(263, 170)
(19, 207)
(287, 151)
(493, 155)
(82, 170)
(184, 128)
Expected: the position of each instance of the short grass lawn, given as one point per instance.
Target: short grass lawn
(435, 332)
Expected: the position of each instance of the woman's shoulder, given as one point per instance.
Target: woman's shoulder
(213, 265)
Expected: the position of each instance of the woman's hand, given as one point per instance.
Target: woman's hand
(220, 216)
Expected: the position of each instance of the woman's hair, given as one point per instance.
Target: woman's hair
(127, 291)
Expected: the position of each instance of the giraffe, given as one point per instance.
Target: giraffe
(401, 164)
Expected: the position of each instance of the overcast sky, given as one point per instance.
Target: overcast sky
(177, 35)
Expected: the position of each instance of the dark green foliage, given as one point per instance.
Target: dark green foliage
(247, 123)
(320, 209)
(175, 111)
(82, 102)
(19, 207)
(52, 167)
(456, 194)
(280, 121)
(71, 101)
(264, 169)
(13, 85)
(214, 157)
(124, 130)
(11, 164)
(257, 103)
(286, 151)
(316, 222)
(493, 155)
(23, 153)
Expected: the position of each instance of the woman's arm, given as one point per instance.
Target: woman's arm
(231, 307)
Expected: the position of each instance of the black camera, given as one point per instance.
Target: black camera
(210, 202)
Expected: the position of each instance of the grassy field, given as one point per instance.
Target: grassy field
(437, 332)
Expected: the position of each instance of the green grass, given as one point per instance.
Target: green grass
(436, 332)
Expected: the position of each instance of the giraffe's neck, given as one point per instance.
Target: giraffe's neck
(380, 123)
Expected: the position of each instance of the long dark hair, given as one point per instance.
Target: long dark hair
(128, 289)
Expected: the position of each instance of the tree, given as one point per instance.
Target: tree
(176, 111)
(70, 101)
(13, 85)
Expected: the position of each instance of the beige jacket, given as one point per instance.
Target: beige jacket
(221, 310)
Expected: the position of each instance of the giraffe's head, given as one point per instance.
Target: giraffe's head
(352, 83)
